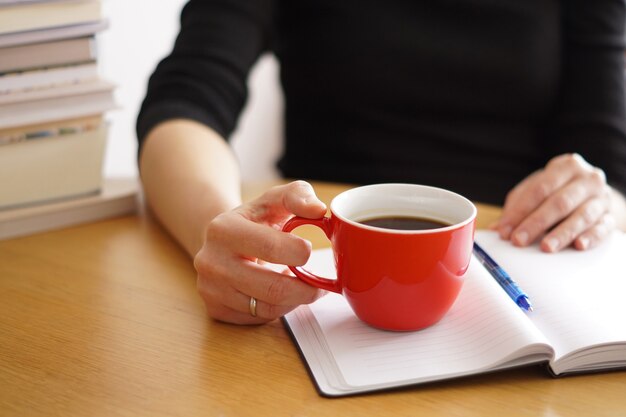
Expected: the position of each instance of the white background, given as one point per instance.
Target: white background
(140, 34)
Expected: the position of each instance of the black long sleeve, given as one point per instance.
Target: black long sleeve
(470, 95)
(204, 78)
(591, 117)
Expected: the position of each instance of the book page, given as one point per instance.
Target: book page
(577, 296)
(484, 330)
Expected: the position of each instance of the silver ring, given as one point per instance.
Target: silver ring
(253, 306)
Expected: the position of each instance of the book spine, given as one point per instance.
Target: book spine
(46, 78)
(47, 54)
(24, 17)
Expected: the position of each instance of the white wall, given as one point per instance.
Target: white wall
(141, 33)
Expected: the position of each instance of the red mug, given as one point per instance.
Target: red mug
(396, 279)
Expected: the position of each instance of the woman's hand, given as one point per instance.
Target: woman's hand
(566, 203)
(231, 267)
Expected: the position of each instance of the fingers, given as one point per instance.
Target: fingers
(227, 294)
(589, 216)
(527, 196)
(272, 287)
(244, 231)
(566, 202)
(240, 313)
(256, 241)
(239, 307)
(595, 234)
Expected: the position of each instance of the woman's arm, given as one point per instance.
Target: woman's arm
(191, 182)
(578, 198)
(190, 175)
(192, 103)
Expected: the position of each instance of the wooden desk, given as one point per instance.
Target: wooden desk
(104, 320)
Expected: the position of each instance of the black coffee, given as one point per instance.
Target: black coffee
(404, 223)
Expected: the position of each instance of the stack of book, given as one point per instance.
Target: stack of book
(52, 103)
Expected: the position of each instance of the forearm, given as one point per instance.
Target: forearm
(189, 175)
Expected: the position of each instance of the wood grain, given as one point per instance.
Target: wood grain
(104, 320)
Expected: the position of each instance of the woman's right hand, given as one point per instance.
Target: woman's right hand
(237, 243)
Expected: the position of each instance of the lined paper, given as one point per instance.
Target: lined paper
(475, 334)
(578, 297)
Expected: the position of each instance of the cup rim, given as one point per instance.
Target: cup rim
(445, 229)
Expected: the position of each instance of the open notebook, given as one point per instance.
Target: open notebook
(578, 323)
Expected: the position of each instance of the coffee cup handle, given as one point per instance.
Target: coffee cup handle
(327, 284)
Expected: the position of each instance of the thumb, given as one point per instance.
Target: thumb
(280, 202)
(300, 199)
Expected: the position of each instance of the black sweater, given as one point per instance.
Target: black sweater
(470, 95)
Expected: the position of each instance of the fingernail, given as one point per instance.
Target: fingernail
(583, 242)
(505, 231)
(521, 238)
(552, 244)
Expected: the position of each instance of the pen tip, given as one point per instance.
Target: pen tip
(524, 303)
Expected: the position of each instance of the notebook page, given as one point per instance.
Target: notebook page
(577, 296)
(484, 328)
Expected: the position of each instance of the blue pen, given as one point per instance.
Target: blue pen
(505, 281)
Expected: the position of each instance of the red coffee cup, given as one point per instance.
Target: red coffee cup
(396, 279)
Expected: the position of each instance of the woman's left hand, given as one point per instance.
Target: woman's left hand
(566, 203)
